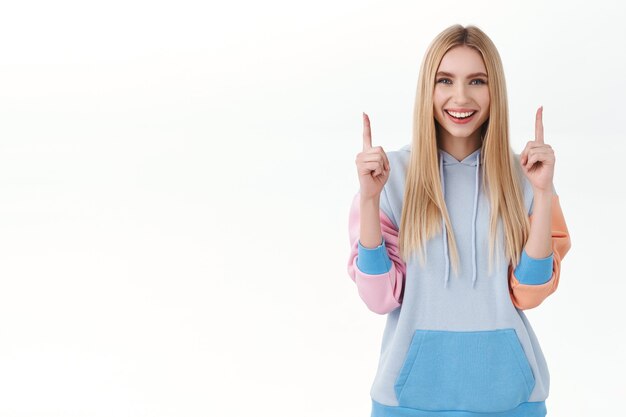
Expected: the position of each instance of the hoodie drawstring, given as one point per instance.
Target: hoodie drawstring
(445, 234)
(474, 222)
(443, 223)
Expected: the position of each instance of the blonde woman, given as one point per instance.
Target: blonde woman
(452, 237)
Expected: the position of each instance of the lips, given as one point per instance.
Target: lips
(460, 116)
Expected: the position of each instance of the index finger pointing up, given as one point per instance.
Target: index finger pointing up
(539, 125)
(367, 133)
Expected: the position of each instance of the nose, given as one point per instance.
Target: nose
(460, 94)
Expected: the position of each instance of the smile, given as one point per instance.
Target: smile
(460, 117)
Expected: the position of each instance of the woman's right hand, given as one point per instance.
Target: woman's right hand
(372, 165)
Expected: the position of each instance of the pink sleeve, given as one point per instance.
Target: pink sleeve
(381, 293)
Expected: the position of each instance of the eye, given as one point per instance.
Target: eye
(479, 81)
(444, 81)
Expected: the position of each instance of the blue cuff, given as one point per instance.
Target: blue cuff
(534, 271)
(375, 260)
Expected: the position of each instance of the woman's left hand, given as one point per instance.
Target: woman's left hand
(537, 158)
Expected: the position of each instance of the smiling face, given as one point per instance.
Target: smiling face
(461, 95)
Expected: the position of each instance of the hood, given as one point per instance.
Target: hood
(473, 159)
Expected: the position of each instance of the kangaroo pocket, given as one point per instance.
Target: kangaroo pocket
(480, 371)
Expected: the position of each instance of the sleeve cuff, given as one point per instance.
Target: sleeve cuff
(375, 260)
(534, 271)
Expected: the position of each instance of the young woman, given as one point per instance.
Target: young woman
(458, 344)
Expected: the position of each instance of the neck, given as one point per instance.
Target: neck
(458, 147)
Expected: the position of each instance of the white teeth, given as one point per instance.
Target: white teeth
(460, 115)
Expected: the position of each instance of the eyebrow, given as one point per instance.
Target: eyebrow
(476, 74)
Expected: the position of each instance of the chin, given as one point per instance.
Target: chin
(463, 133)
(460, 133)
(456, 130)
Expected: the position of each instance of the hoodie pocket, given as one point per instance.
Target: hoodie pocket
(479, 371)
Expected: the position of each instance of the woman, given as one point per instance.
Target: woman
(457, 195)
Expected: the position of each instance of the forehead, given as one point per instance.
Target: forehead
(462, 59)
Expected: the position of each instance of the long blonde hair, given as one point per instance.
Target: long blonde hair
(423, 203)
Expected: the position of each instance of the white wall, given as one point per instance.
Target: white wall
(175, 179)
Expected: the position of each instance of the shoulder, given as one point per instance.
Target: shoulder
(393, 191)
(399, 159)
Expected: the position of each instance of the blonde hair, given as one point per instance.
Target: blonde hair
(423, 203)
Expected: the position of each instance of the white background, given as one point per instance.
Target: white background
(175, 179)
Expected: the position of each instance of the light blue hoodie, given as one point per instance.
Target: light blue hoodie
(455, 346)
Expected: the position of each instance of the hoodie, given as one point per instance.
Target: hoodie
(455, 346)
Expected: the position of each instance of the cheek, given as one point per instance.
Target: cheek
(437, 98)
(437, 111)
(438, 102)
(485, 100)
